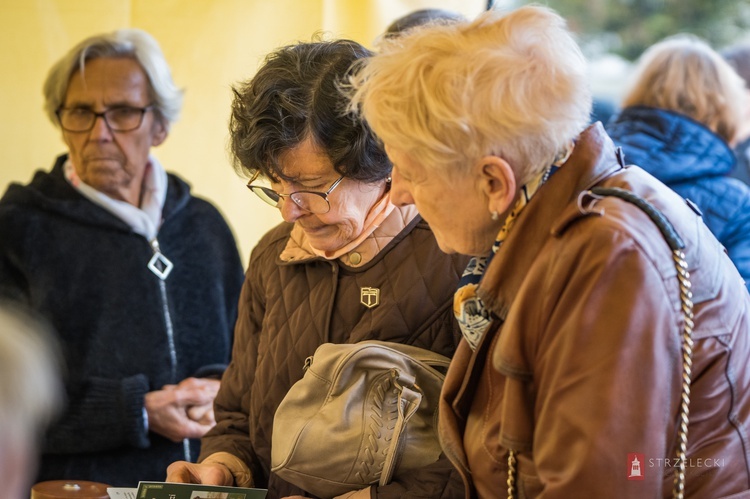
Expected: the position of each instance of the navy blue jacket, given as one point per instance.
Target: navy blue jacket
(695, 163)
(124, 332)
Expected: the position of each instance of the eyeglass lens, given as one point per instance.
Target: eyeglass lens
(120, 119)
(314, 202)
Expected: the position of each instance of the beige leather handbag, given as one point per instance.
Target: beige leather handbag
(361, 413)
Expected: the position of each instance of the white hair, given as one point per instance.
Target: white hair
(510, 85)
(132, 43)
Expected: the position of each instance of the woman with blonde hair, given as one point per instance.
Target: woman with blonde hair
(679, 121)
(572, 378)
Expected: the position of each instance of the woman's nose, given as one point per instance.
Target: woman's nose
(400, 195)
(100, 129)
(290, 212)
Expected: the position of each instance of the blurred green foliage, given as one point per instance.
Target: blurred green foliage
(628, 27)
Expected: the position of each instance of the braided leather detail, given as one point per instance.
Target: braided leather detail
(383, 415)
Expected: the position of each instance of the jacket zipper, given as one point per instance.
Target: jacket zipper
(169, 326)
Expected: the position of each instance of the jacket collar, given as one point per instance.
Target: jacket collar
(549, 212)
(671, 146)
(50, 191)
(298, 249)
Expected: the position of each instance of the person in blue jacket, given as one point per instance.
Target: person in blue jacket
(678, 121)
(738, 56)
(139, 279)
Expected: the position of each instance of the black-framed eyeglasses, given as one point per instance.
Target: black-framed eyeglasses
(312, 201)
(118, 119)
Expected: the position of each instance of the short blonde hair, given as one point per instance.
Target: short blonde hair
(685, 75)
(511, 85)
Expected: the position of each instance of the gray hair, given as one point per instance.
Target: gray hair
(422, 17)
(130, 43)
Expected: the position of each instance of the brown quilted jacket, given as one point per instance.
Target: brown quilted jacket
(289, 307)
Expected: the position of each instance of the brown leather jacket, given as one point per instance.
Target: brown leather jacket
(580, 373)
(290, 304)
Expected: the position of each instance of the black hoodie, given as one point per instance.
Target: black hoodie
(123, 330)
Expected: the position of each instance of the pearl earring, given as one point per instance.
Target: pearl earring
(494, 216)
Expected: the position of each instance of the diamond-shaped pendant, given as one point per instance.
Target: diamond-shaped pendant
(160, 266)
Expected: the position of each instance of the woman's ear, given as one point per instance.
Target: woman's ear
(498, 183)
(159, 133)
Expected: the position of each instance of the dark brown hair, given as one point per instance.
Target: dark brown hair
(295, 95)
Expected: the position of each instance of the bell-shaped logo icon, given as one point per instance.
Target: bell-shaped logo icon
(635, 464)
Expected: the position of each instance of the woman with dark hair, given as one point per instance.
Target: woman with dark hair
(346, 266)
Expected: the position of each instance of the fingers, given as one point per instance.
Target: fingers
(179, 472)
(195, 391)
(203, 414)
(169, 418)
(208, 384)
(207, 474)
(184, 410)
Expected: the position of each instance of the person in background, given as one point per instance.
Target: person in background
(571, 365)
(602, 109)
(31, 395)
(419, 18)
(309, 278)
(738, 56)
(138, 278)
(679, 118)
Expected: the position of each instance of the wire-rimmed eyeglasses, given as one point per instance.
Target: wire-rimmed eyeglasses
(312, 201)
(118, 119)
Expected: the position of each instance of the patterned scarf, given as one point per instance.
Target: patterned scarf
(471, 314)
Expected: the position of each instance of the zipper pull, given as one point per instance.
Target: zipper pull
(159, 264)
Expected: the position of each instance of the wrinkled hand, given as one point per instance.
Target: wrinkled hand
(168, 408)
(355, 494)
(204, 413)
(206, 474)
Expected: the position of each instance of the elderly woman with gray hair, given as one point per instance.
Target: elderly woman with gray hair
(138, 278)
(579, 374)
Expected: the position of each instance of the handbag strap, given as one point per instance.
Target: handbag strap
(676, 244)
(427, 357)
(686, 298)
(409, 399)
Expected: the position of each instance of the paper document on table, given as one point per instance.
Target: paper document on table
(164, 490)
(121, 493)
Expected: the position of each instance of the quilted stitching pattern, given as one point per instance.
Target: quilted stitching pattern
(416, 283)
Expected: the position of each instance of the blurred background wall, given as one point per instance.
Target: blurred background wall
(210, 45)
